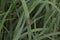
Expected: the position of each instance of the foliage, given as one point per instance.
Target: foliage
(29, 20)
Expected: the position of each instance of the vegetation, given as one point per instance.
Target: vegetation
(29, 19)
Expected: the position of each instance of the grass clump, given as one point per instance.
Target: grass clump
(29, 20)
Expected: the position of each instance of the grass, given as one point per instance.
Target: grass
(29, 20)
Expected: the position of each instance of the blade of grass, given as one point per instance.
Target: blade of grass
(40, 9)
(51, 34)
(25, 9)
(17, 36)
(47, 14)
(27, 17)
(18, 24)
(36, 2)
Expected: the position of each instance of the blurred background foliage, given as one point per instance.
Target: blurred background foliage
(43, 17)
